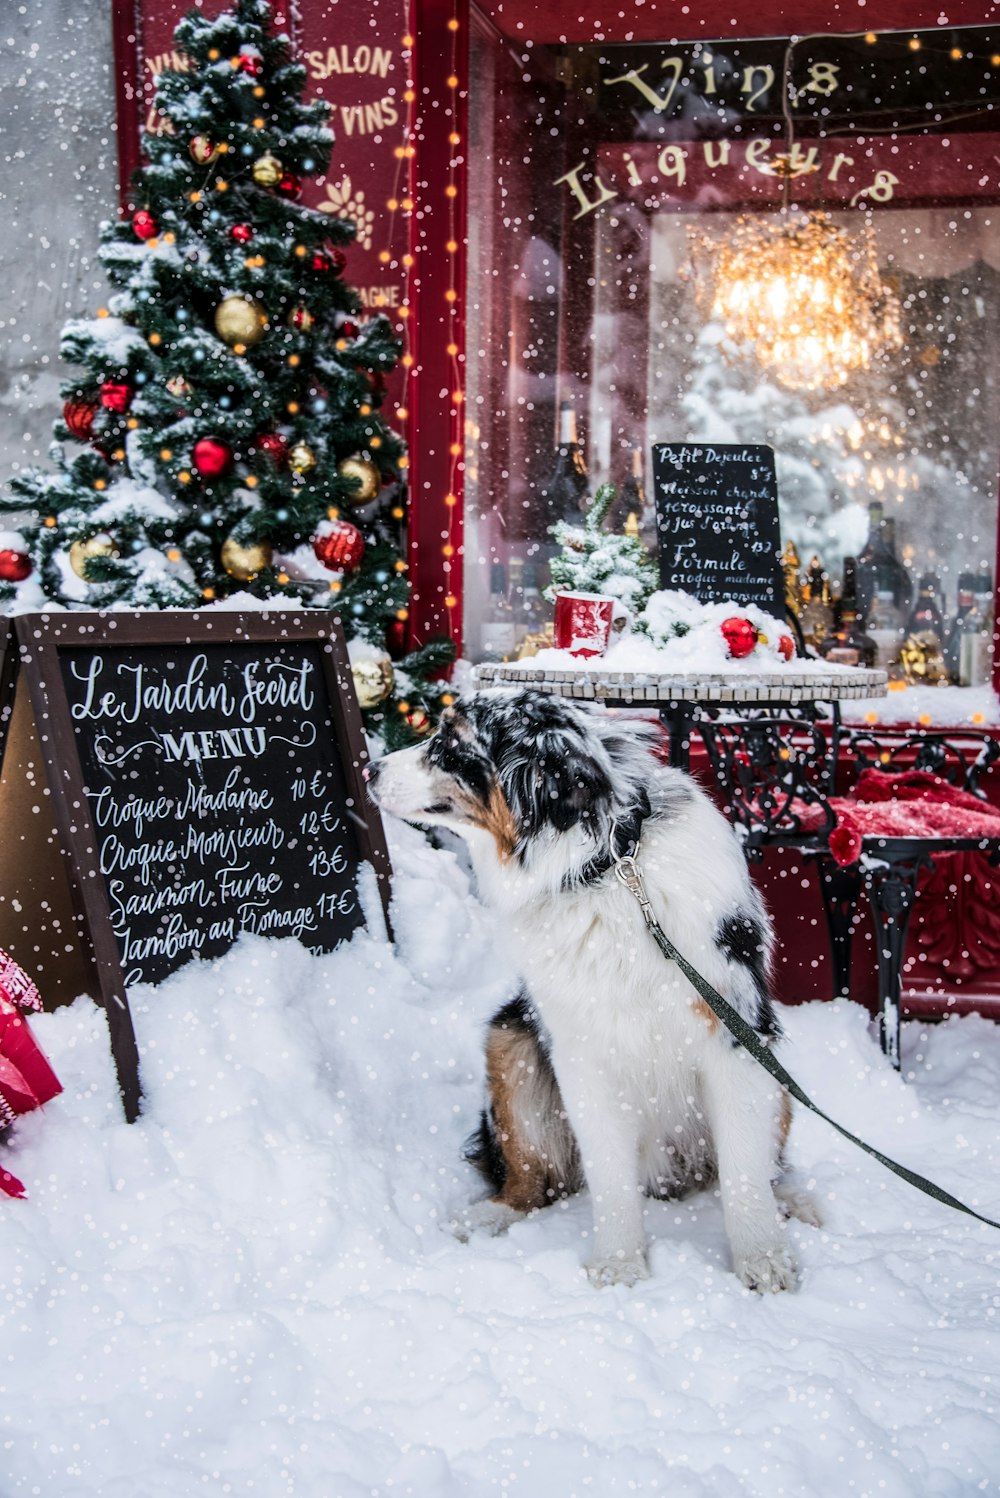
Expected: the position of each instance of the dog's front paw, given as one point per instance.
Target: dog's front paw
(490, 1217)
(618, 1269)
(768, 1269)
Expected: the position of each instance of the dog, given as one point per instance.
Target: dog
(608, 1070)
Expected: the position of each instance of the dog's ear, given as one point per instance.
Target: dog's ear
(553, 784)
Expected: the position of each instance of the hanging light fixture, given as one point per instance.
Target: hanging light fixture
(805, 295)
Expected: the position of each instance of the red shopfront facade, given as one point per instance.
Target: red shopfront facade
(525, 182)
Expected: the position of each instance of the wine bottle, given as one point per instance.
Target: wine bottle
(817, 610)
(925, 616)
(848, 644)
(568, 482)
(526, 598)
(497, 635)
(879, 568)
(965, 603)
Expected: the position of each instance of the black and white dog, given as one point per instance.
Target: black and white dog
(609, 1070)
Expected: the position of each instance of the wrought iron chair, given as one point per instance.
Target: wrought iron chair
(782, 778)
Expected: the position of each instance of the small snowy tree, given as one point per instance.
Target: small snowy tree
(596, 561)
(223, 434)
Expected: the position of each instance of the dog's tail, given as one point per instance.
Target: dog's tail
(482, 1149)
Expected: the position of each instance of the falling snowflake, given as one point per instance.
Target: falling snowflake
(346, 203)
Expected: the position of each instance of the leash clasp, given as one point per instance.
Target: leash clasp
(627, 873)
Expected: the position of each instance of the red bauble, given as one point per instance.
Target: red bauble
(740, 635)
(251, 64)
(79, 418)
(288, 185)
(321, 262)
(116, 396)
(242, 233)
(213, 459)
(339, 545)
(337, 258)
(144, 225)
(272, 445)
(395, 638)
(786, 646)
(15, 566)
(348, 328)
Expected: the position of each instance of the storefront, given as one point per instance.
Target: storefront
(549, 204)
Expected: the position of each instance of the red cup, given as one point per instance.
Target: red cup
(583, 623)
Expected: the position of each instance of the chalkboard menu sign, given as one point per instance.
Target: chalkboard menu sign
(717, 522)
(208, 773)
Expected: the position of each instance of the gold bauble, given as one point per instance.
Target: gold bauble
(202, 150)
(921, 659)
(301, 458)
(267, 171)
(100, 545)
(418, 720)
(244, 562)
(373, 680)
(366, 473)
(238, 319)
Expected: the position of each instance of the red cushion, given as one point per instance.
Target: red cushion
(909, 803)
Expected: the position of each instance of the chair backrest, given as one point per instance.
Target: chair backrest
(776, 775)
(957, 755)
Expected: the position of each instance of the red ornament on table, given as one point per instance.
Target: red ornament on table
(116, 396)
(79, 418)
(213, 459)
(786, 647)
(15, 566)
(242, 233)
(288, 185)
(144, 225)
(272, 445)
(339, 545)
(740, 635)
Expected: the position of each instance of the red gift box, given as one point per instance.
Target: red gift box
(26, 1078)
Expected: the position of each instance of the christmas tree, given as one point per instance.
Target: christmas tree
(594, 560)
(224, 433)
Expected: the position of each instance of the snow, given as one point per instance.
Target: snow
(947, 707)
(250, 1291)
(694, 652)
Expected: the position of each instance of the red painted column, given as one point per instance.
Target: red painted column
(436, 321)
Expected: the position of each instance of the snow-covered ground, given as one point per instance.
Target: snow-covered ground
(250, 1290)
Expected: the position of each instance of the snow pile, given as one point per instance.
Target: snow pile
(250, 1292)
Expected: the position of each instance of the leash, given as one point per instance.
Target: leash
(627, 873)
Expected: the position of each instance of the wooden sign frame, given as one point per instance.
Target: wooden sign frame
(42, 637)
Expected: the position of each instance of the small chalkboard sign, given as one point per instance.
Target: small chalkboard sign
(206, 771)
(717, 522)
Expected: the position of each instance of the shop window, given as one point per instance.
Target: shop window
(604, 174)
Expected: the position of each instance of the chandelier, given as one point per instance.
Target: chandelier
(804, 295)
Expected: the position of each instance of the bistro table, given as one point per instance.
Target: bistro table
(677, 695)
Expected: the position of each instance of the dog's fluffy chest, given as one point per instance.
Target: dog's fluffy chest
(600, 982)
